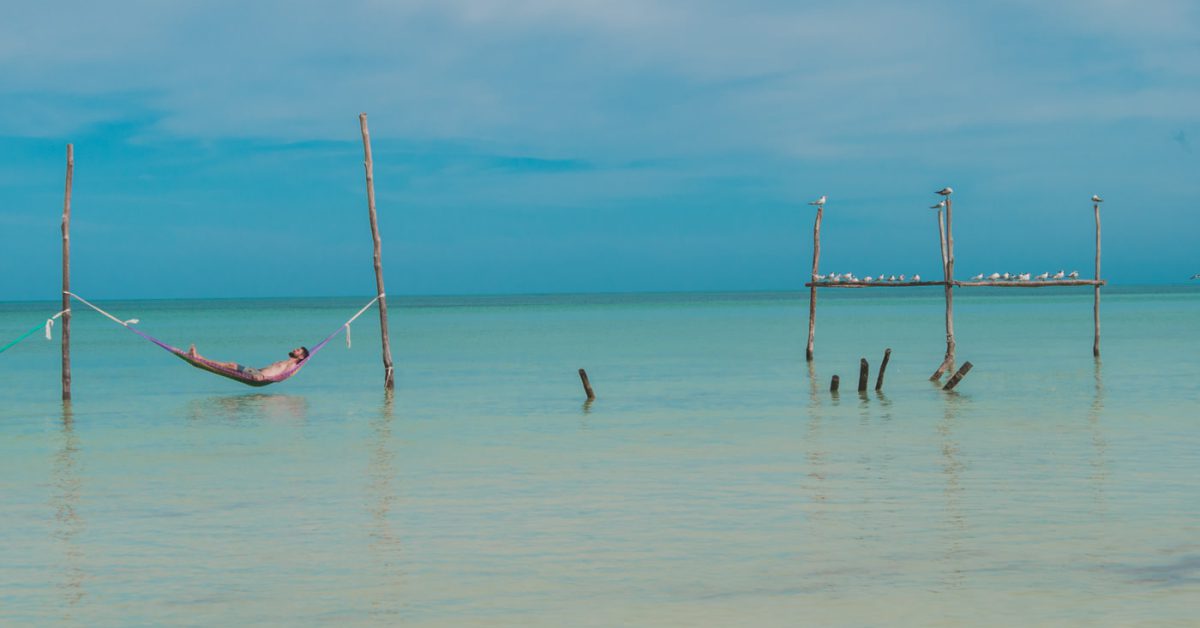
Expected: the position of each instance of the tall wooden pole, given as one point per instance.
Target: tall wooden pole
(388, 377)
(1096, 303)
(948, 361)
(942, 240)
(812, 291)
(66, 277)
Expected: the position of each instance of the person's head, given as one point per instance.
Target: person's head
(299, 353)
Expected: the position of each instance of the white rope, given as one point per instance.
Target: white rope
(360, 313)
(50, 322)
(132, 321)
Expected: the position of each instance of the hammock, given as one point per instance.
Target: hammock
(46, 325)
(217, 368)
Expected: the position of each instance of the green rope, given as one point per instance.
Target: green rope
(29, 333)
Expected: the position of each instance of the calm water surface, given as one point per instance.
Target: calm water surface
(715, 481)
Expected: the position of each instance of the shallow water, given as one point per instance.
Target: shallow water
(712, 482)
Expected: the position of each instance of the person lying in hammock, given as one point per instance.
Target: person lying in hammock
(295, 356)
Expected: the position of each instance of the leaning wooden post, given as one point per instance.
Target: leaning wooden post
(1096, 303)
(587, 385)
(812, 291)
(388, 377)
(957, 377)
(948, 361)
(887, 355)
(66, 277)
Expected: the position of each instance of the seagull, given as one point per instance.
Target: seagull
(938, 206)
(916, 278)
(1043, 276)
(892, 278)
(868, 279)
(901, 277)
(994, 276)
(978, 277)
(1023, 277)
(1074, 274)
(1096, 198)
(1196, 276)
(1006, 276)
(819, 202)
(946, 191)
(1059, 275)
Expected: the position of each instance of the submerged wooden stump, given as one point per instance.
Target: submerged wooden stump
(834, 383)
(887, 355)
(864, 373)
(587, 385)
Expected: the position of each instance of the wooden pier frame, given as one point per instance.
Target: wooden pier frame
(948, 283)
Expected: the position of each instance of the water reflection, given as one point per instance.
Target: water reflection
(253, 406)
(815, 453)
(68, 524)
(956, 525)
(384, 543)
(1100, 467)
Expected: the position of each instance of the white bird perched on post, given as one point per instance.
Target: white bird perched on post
(916, 278)
(901, 277)
(1059, 275)
(819, 202)
(946, 191)
(1074, 274)
(978, 277)
(1096, 198)
(994, 276)
(1043, 276)
(1006, 276)
(892, 278)
(938, 206)
(1023, 277)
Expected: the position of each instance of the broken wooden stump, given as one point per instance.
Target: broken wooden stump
(834, 383)
(864, 373)
(957, 377)
(587, 386)
(887, 355)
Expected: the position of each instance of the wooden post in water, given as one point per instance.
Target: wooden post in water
(587, 385)
(388, 376)
(812, 291)
(942, 239)
(66, 277)
(1096, 303)
(957, 377)
(887, 355)
(834, 383)
(864, 373)
(948, 361)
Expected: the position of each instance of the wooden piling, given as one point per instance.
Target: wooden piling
(1096, 302)
(942, 240)
(887, 355)
(66, 277)
(864, 373)
(957, 377)
(388, 376)
(587, 385)
(834, 383)
(812, 291)
(948, 361)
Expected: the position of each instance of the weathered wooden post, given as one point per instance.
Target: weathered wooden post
(1096, 200)
(66, 277)
(812, 291)
(942, 239)
(887, 355)
(834, 383)
(864, 373)
(957, 377)
(388, 377)
(587, 385)
(948, 361)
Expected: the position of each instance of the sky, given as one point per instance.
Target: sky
(549, 146)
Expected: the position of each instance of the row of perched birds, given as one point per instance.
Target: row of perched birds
(850, 278)
(1027, 276)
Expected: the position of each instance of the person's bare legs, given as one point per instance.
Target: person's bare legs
(196, 356)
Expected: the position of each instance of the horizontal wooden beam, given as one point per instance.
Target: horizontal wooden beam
(963, 284)
(1049, 283)
(890, 284)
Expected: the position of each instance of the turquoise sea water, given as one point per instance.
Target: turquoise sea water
(714, 481)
